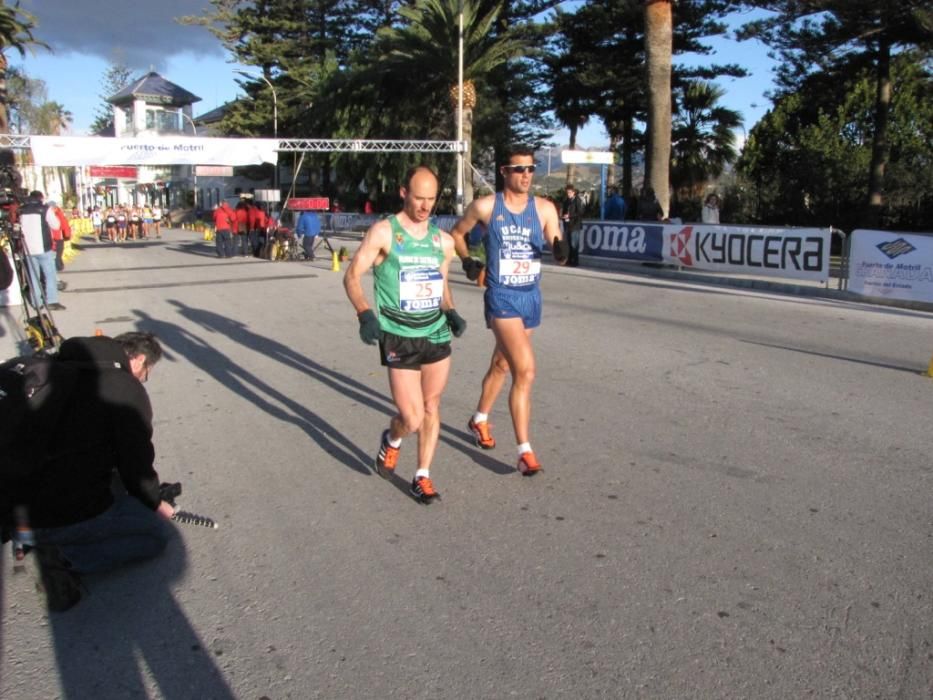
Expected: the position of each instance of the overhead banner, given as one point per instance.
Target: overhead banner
(891, 265)
(794, 253)
(163, 150)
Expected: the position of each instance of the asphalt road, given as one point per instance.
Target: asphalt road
(736, 500)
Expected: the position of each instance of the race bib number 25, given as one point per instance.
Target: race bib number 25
(420, 290)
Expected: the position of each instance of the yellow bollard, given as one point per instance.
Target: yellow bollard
(930, 369)
(334, 262)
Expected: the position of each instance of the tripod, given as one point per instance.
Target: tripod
(41, 332)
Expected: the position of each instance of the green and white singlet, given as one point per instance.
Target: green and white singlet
(409, 286)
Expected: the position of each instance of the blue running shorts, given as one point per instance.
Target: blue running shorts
(506, 303)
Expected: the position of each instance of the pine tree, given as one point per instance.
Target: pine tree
(115, 78)
(838, 38)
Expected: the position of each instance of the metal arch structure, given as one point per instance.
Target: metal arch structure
(15, 141)
(368, 146)
(22, 142)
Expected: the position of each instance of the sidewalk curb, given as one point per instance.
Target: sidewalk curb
(764, 285)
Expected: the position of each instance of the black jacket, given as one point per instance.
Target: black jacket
(106, 425)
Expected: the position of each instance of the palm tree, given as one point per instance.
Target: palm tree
(52, 118)
(658, 49)
(16, 27)
(426, 46)
(703, 136)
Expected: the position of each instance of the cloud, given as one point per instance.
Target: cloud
(136, 34)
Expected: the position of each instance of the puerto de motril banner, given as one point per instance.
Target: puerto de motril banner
(163, 150)
(891, 265)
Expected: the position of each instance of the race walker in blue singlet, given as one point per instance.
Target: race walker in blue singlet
(513, 244)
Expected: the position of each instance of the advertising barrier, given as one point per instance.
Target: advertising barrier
(796, 253)
(891, 265)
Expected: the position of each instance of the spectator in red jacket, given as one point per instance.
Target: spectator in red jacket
(60, 234)
(241, 230)
(256, 218)
(224, 222)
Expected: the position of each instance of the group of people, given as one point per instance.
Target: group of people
(120, 222)
(241, 231)
(413, 315)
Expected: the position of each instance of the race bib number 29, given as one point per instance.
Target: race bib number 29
(517, 273)
(420, 290)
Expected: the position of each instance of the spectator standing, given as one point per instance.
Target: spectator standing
(710, 213)
(224, 222)
(241, 228)
(308, 229)
(37, 221)
(60, 233)
(571, 214)
(649, 209)
(615, 206)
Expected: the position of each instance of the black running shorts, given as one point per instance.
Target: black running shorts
(398, 352)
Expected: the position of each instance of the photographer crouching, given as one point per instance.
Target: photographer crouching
(67, 500)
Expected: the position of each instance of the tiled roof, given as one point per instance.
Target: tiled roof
(155, 89)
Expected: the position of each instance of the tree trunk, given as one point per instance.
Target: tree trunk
(658, 47)
(4, 109)
(571, 168)
(879, 146)
(468, 157)
(627, 130)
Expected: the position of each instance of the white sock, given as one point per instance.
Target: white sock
(395, 443)
(480, 417)
(523, 448)
(424, 472)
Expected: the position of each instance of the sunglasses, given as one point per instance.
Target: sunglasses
(519, 168)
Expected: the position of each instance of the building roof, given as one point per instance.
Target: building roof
(215, 115)
(154, 89)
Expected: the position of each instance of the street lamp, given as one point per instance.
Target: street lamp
(275, 119)
(194, 168)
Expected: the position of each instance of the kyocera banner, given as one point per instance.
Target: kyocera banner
(797, 253)
(102, 150)
(775, 252)
(891, 265)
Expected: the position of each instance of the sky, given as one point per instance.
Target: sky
(87, 36)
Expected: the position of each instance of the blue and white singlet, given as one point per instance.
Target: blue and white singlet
(513, 245)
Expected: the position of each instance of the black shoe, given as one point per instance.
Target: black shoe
(62, 586)
(387, 457)
(422, 488)
(57, 307)
(62, 285)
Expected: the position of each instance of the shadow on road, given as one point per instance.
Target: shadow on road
(129, 622)
(229, 373)
(871, 363)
